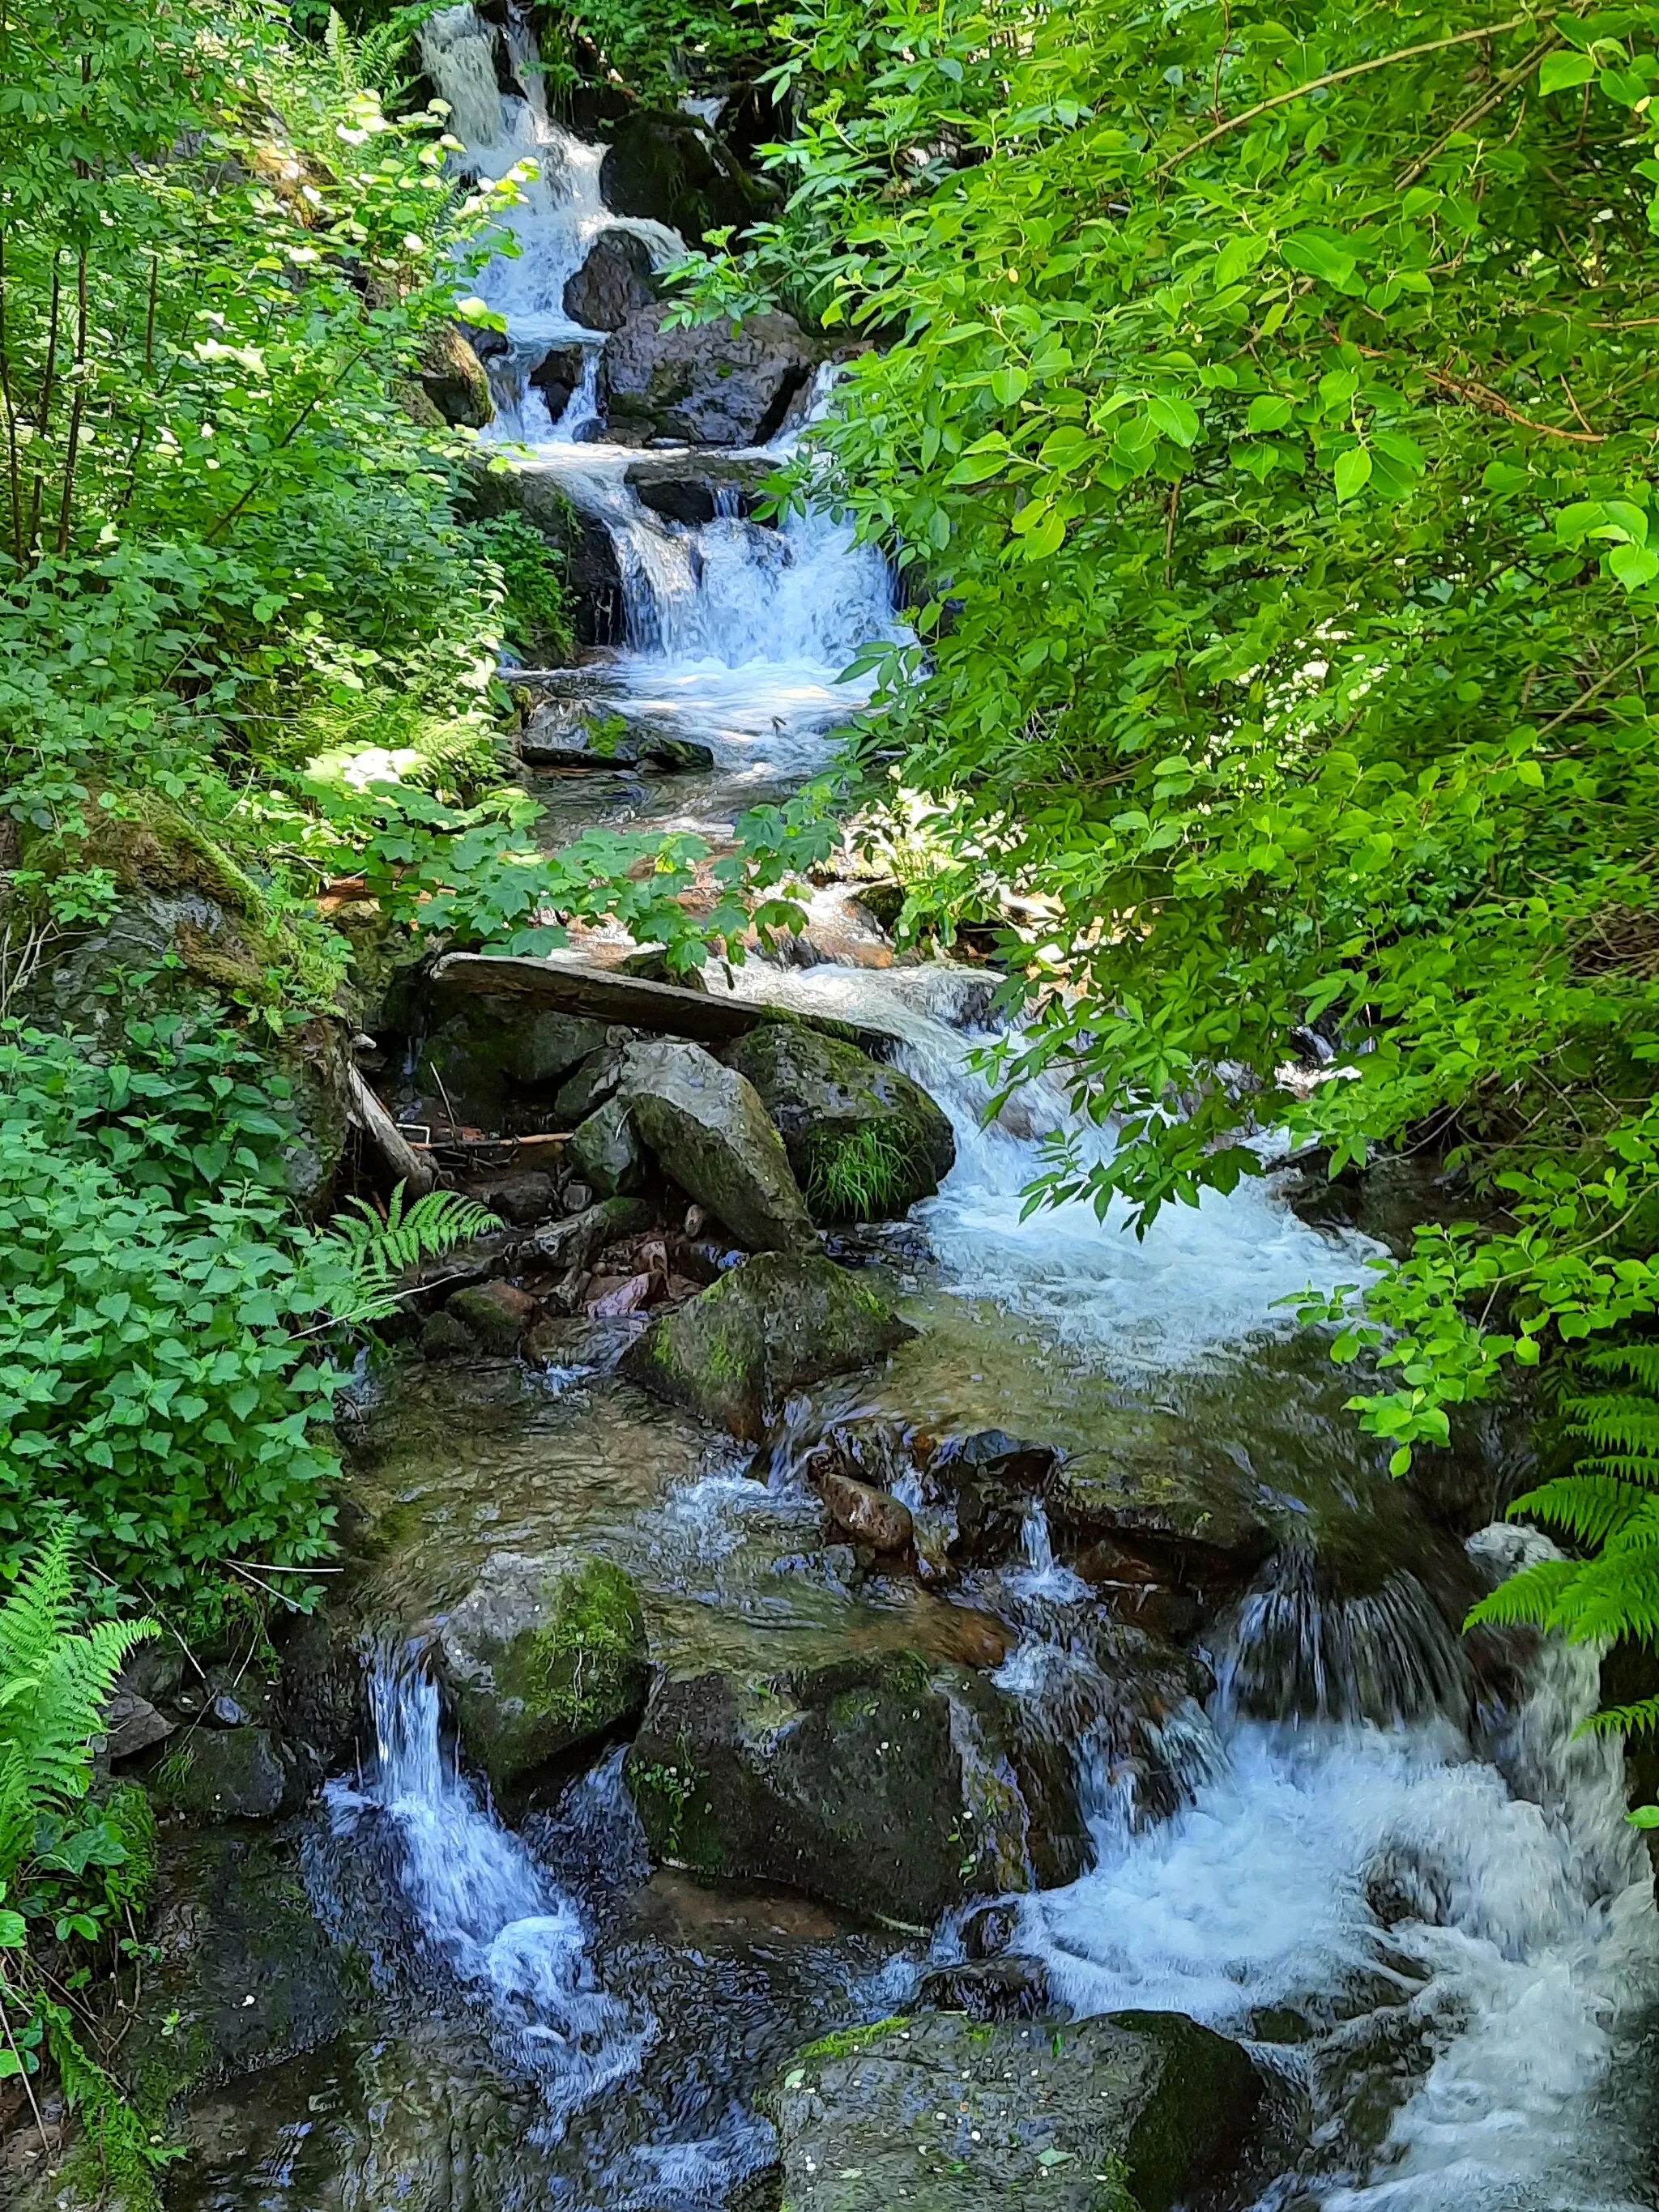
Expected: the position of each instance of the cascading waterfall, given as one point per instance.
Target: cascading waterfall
(481, 1903)
(1468, 1921)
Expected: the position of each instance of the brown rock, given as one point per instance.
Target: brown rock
(496, 1313)
(868, 1516)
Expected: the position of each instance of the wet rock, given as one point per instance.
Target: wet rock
(671, 166)
(734, 1353)
(521, 1195)
(541, 1655)
(446, 1337)
(556, 376)
(230, 1774)
(694, 488)
(969, 1495)
(577, 1198)
(944, 2115)
(1007, 1987)
(711, 1133)
(593, 578)
(245, 1975)
(321, 1690)
(497, 1314)
(606, 1150)
(702, 384)
(878, 1784)
(868, 1515)
(563, 733)
(612, 283)
(1189, 1527)
(454, 378)
(677, 755)
(865, 1141)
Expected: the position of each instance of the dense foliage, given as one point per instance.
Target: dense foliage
(1268, 414)
(73, 1873)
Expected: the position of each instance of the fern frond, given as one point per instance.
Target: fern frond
(1638, 1363)
(1625, 1720)
(1615, 1423)
(41, 1610)
(1526, 1599)
(1589, 1507)
(381, 1250)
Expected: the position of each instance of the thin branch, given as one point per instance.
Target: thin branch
(11, 420)
(43, 411)
(1483, 107)
(1338, 76)
(1583, 699)
(287, 439)
(78, 410)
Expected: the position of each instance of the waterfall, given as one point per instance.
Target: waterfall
(512, 1937)
(1476, 1914)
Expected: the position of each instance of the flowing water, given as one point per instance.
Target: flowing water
(1384, 1858)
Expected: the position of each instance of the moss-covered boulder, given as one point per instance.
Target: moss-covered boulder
(213, 1774)
(493, 1050)
(734, 1353)
(605, 1151)
(1128, 2114)
(881, 1783)
(454, 379)
(541, 1655)
(864, 1140)
(708, 1129)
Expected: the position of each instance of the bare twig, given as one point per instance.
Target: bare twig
(1338, 76)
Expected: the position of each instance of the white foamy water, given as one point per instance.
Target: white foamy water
(1524, 1944)
(481, 1903)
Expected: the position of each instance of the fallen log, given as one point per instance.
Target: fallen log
(603, 994)
(406, 1165)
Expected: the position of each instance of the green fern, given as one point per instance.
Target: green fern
(1609, 1504)
(366, 63)
(379, 1248)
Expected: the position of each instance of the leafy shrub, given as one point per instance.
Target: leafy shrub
(535, 609)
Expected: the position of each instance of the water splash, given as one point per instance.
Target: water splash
(482, 1905)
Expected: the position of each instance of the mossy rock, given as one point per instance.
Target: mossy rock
(710, 1132)
(215, 1774)
(541, 1655)
(1128, 2114)
(491, 1050)
(454, 379)
(735, 1352)
(865, 1141)
(880, 1783)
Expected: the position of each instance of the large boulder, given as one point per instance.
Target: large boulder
(493, 1050)
(705, 384)
(708, 1127)
(1128, 2114)
(735, 1352)
(540, 1655)
(454, 379)
(865, 1141)
(674, 168)
(613, 281)
(878, 1782)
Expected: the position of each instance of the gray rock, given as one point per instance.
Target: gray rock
(446, 1336)
(494, 1048)
(606, 1150)
(230, 1774)
(701, 384)
(131, 1724)
(735, 1352)
(497, 1314)
(708, 1129)
(520, 1195)
(541, 1655)
(578, 1241)
(880, 1784)
(611, 284)
(593, 1082)
(1132, 2111)
(865, 1141)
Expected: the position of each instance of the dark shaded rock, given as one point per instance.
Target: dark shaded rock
(497, 1314)
(1007, 1987)
(541, 1655)
(865, 1141)
(672, 755)
(865, 1514)
(1184, 1524)
(593, 1082)
(976, 1490)
(878, 1784)
(244, 1975)
(556, 376)
(521, 1195)
(611, 284)
(711, 1133)
(493, 1050)
(230, 1774)
(563, 733)
(701, 384)
(694, 488)
(671, 166)
(454, 378)
(578, 1241)
(1034, 2114)
(321, 1689)
(591, 576)
(605, 1151)
(132, 1724)
(446, 1337)
(734, 1353)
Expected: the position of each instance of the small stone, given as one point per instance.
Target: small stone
(607, 1151)
(585, 1091)
(226, 1712)
(868, 1516)
(577, 1197)
(131, 1724)
(521, 1195)
(496, 1313)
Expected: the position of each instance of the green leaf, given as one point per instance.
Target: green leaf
(1557, 72)
(1353, 472)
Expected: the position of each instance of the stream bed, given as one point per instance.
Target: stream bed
(1274, 1788)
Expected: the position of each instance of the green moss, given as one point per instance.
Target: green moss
(594, 1639)
(846, 2040)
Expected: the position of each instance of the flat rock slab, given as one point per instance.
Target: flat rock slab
(601, 994)
(1125, 2113)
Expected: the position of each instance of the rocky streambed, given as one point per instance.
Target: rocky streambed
(838, 1695)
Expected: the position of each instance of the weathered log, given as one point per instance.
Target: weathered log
(602, 994)
(407, 1165)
